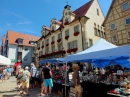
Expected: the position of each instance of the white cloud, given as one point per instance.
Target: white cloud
(15, 14)
(24, 23)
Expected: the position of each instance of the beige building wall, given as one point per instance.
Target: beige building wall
(118, 16)
(94, 19)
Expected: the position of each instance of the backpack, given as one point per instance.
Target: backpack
(25, 76)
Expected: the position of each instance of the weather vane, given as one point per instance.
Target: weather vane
(67, 2)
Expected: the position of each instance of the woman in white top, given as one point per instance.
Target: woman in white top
(4, 74)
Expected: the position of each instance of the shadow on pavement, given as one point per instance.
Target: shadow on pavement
(13, 95)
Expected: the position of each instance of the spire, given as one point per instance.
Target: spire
(67, 2)
(67, 6)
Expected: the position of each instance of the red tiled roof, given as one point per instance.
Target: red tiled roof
(83, 9)
(13, 36)
(80, 12)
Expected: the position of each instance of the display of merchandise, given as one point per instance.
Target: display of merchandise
(59, 76)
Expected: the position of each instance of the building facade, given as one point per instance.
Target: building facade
(117, 22)
(75, 32)
(20, 47)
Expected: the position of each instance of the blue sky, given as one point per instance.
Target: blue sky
(28, 16)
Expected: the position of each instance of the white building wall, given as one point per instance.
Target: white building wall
(94, 18)
(12, 53)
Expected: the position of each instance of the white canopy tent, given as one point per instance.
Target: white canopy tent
(89, 53)
(100, 45)
(4, 60)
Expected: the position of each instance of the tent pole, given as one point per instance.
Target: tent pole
(65, 78)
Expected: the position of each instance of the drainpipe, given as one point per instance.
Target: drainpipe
(81, 34)
(61, 39)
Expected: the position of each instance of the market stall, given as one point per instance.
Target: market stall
(102, 57)
(4, 60)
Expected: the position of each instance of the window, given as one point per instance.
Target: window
(99, 33)
(43, 43)
(75, 44)
(59, 47)
(20, 48)
(52, 27)
(95, 31)
(66, 20)
(53, 49)
(59, 36)
(26, 58)
(90, 42)
(41, 52)
(104, 35)
(47, 41)
(47, 51)
(26, 49)
(128, 35)
(125, 6)
(19, 56)
(20, 41)
(70, 45)
(32, 42)
(113, 26)
(114, 38)
(127, 21)
(76, 28)
(97, 12)
(67, 33)
(53, 38)
(38, 44)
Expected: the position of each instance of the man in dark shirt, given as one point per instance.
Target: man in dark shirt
(76, 80)
(47, 76)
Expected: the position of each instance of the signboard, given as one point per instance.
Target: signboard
(13, 60)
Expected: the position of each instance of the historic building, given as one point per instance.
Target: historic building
(19, 47)
(75, 32)
(117, 22)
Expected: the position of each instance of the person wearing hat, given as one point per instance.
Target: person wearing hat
(76, 81)
(25, 81)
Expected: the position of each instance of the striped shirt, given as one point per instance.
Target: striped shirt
(33, 71)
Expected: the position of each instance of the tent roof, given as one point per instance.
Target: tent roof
(99, 46)
(54, 60)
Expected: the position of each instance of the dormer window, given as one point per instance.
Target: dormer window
(52, 27)
(20, 41)
(76, 28)
(32, 42)
(66, 21)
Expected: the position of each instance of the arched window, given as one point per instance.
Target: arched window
(66, 20)
(52, 27)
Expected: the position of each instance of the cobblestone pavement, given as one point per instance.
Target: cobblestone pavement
(8, 89)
